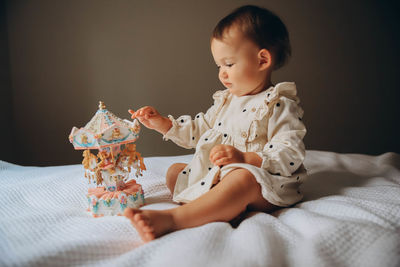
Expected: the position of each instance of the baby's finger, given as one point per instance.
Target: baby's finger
(149, 111)
(139, 112)
(142, 113)
(212, 155)
(217, 155)
(222, 161)
(132, 112)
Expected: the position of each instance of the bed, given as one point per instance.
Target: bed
(350, 216)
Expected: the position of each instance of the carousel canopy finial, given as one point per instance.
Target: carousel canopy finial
(102, 105)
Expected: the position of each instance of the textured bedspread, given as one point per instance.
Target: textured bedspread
(350, 217)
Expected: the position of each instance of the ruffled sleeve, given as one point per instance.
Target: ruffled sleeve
(284, 152)
(186, 131)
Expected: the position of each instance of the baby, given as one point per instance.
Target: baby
(249, 148)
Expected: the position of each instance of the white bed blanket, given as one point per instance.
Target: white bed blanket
(350, 217)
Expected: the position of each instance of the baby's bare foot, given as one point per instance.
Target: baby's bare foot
(150, 224)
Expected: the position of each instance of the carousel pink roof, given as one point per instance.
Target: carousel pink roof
(104, 130)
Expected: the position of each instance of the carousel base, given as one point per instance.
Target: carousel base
(106, 203)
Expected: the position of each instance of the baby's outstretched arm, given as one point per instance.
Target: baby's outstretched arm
(150, 118)
(226, 154)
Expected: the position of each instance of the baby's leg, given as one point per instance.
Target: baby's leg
(172, 175)
(231, 196)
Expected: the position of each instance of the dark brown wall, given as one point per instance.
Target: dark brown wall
(7, 150)
(65, 56)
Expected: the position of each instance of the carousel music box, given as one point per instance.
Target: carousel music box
(109, 172)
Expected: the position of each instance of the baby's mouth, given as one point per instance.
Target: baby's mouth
(227, 84)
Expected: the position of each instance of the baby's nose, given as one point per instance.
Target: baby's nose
(223, 74)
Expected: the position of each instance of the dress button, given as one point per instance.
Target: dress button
(253, 110)
(244, 135)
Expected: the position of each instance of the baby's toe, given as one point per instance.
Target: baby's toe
(148, 229)
(149, 236)
(142, 223)
(138, 217)
(129, 213)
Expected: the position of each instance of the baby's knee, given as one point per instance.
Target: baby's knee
(244, 177)
(172, 174)
(175, 168)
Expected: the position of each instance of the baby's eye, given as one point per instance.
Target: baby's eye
(229, 65)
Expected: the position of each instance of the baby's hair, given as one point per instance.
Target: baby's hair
(262, 27)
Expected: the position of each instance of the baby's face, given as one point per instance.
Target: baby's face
(239, 65)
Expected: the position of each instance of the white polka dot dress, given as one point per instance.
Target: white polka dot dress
(269, 123)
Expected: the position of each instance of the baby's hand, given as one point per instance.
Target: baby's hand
(150, 118)
(144, 112)
(225, 154)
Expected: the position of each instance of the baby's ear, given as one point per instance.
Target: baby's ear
(265, 59)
